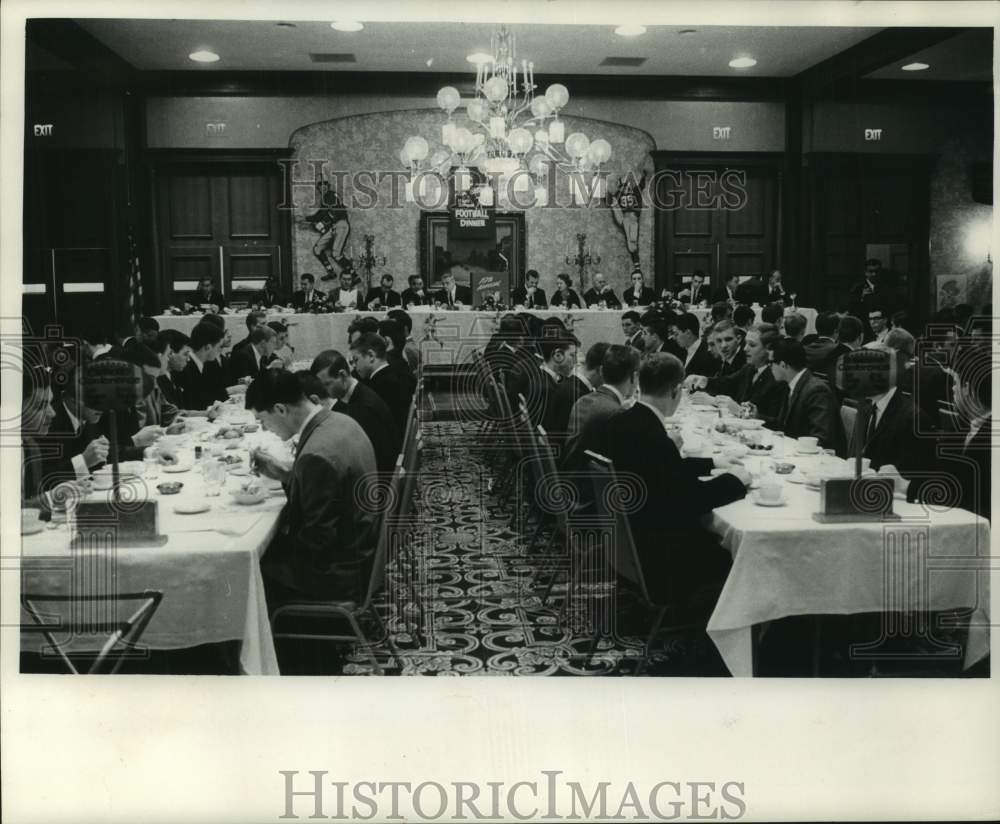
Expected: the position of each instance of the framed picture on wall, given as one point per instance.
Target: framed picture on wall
(504, 252)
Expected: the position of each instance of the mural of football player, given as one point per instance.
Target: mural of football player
(333, 225)
(626, 203)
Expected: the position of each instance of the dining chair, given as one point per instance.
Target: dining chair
(351, 611)
(123, 636)
(624, 557)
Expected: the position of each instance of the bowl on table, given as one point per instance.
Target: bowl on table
(782, 468)
(169, 487)
(251, 492)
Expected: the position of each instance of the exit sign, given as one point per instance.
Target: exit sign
(215, 129)
(722, 132)
(873, 134)
(43, 130)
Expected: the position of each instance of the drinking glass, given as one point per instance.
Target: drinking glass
(214, 472)
(151, 463)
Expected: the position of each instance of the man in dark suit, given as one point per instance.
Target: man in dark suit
(394, 335)
(582, 381)
(307, 295)
(395, 386)
(638, 294)
(326, 536)
(811, 408)
(600, 291)
(589, 413)
(727, 292)
(71, 447)
(751, 291)
(253, 320)
(362, 403)
(656, 334)
(819, 350)
(251, 360)
(537, 380)
(207, 296)
(870, 292)
(453, 295)
(382, 297)
(754, 384)
(268, 296)
(203, 381)
(696, 292)
(679, 557)
(850, 334)
(530, 295)
(685, 329)
(632, 329)
(728, 347)
(416, 295)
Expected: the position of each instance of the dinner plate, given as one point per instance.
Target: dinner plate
(176, 467)
(191, 507)
(238, 470)
(795, 478)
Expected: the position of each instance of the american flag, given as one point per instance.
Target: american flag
(134, 280)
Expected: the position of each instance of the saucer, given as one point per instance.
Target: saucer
(191, 507)
(176, 467)
(760, 502)
(34, 529)
(807, 450)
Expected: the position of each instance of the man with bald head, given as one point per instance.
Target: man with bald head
(599, 292)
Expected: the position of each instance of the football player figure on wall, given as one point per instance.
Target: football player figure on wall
(626, 203)
(333, 225)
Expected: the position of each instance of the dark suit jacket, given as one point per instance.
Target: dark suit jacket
(636, 341)
(58, 446)
(586, 419)
(463, 295)
(896, 440)
(243, 364)
(299, 298)
(976, 462)
(667, 525)
(812, 410)
(702, 362)
(214, 297)
(374, 417)
(171, 391)
(567, 393)
(646, 297)
(721, 295)
(267, 299)
(519, 297)
(410, 297)
(388, 298)
(775, 295)
(572, 299)
(395, 385)
(765, 393)
(735, 365)
(538, 388)
(201, 389)
(326, 537)
(593, 297)
(696, 297)
(752, 291)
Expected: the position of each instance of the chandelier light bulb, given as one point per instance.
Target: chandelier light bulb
(557, 96)
(520, 141)
(541, 196)
(495, 89)
(486, 195)
(476, 110)
(449, 99)
(418, 148)
(600, 150)
(577, 144)
(540, 108)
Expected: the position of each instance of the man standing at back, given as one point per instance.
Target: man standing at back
(325, 539)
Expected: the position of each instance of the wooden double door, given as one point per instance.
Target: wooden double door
(720, 217)
(220, 219)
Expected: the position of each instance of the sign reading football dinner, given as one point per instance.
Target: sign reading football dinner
(468, 219)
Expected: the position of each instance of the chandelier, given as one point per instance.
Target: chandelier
(508, 133)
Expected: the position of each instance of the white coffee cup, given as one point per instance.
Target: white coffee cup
(30, 518)
(769, 492)
(808, 442)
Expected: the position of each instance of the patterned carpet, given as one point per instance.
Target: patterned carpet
(480, 589)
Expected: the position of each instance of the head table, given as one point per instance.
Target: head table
(445, 337)
(785, 563)
(208, 569)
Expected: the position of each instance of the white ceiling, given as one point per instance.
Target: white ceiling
(555, 49)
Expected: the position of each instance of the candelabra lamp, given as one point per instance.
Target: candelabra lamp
(368, 260)
(583, 258)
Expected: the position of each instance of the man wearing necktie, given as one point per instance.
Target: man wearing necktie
(453, 295)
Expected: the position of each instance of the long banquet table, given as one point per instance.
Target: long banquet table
(785, 563)
(446, 337)
(208, 569)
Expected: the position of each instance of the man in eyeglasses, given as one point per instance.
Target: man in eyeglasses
(878, 325)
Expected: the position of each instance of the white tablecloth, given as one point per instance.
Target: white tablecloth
(208, 571)
(445, 337)
(785, 563)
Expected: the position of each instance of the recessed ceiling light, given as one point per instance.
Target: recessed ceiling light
(478, 58)
(630, 30)
(204, 56)
(430, 62)
(688, 31)
(347, 25)
(286, 25)
(742, 63)
(916, 67)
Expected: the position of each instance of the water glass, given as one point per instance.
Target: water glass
(214, 473)
(151, 463)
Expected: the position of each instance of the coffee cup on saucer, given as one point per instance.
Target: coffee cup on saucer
(769, 493)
